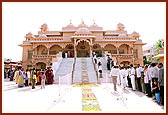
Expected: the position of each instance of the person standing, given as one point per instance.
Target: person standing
(49, 75)
(108, 62)
(100, 72)
(26, 78)
(142, 81)
(114, 74)
(20, 78)
(161, 82)
(147, 81)
(129, 77)
(95, 59)
(43, 77)
(154, 74)
(33, 78)
(11, 75)
(123, 75)
(132, 76)
(28, 75)
(138, 71)
(155, 88)
(16, 75)
(112, 63)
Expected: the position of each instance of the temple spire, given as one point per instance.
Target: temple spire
(82, 21)
(94, 21)
(70, 21)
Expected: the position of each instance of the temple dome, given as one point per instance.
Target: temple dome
(29, 35)
(44, 27)
(94, 25)
(120, 25)
(70, 25)
(135, 34)
(82, 31)
(82, 24)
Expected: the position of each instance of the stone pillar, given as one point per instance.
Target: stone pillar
(117, 50)
(103, 52)
(91, 51)
(75, 53)
(48, 51)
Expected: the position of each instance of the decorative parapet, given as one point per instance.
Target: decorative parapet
(43, 56)
(122, 55)
(117, 38)
(49, 33)
(46, 39)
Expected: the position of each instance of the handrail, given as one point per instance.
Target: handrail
(73, 68)
(95, 68)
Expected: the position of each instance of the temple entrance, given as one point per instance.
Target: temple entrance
(40, 65)
(83, 49)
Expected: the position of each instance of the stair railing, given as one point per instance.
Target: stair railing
(73, 68)
(95, 68)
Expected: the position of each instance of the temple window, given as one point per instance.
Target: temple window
(44, 52)
(30, 53)
(121, 51)
(135, 52)
(29, 67)
(113, 51)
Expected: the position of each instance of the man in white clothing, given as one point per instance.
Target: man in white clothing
(138, 71)
(114, 74)
(123, 75)
(132, 76)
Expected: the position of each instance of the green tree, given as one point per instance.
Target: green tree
(158, 45)
(145, 60)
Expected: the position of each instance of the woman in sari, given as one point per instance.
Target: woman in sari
(16, 75)
(20, 77)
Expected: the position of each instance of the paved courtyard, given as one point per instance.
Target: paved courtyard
(91, 98)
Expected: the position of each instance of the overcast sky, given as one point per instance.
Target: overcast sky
(148, 19)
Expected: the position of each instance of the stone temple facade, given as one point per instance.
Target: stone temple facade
(41, 50)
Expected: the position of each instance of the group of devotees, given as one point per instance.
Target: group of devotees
(148, 79)
(31, 77)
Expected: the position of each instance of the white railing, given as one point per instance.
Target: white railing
(64, 86)
(55, 67)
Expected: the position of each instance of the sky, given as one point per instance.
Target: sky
(148, 19)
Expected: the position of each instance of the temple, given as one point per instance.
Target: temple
(41, 50)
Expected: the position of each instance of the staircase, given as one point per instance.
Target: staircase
(65, 68)
(84, 68)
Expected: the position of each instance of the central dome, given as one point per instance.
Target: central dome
(82, 31)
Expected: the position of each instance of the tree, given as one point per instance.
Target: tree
(145, 60)
(158, 45)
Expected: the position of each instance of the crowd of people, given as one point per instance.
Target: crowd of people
(148, 79)
(31, 77)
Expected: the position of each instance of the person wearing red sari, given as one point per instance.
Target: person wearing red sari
(49, 75)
